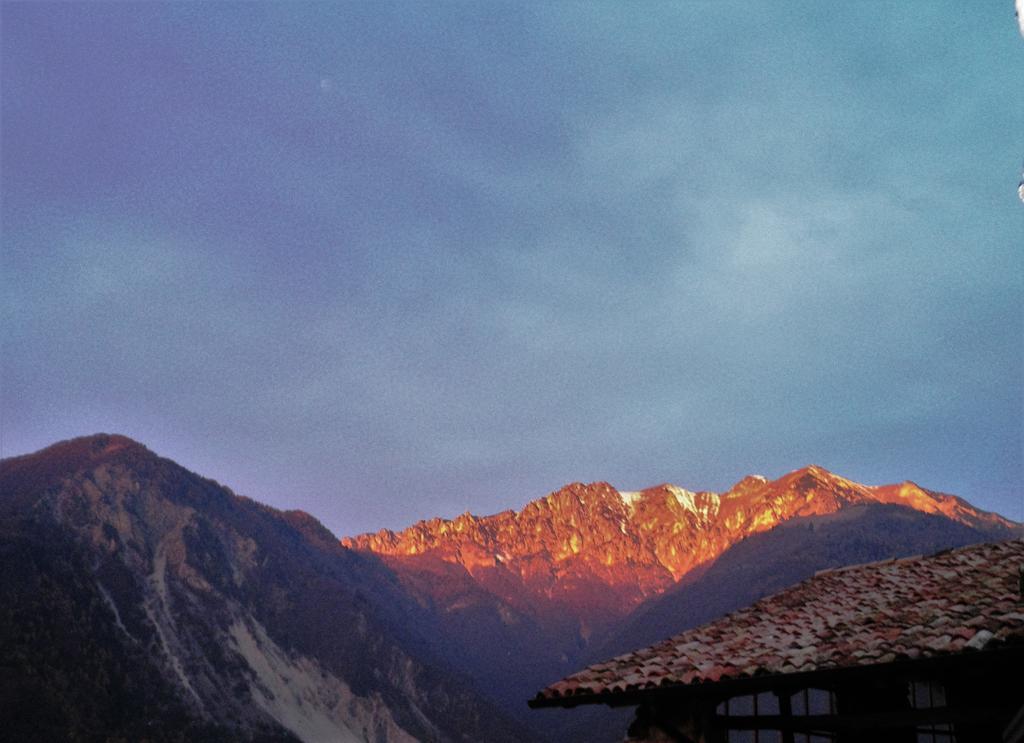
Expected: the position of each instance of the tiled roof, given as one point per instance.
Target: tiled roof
(953, 602)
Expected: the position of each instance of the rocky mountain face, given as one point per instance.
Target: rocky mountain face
(596, 553)
(142, 602)
(534, 592)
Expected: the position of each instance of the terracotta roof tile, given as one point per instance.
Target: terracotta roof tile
(956, 601)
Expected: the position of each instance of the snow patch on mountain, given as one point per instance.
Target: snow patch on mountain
(704, 505)
(631, 497)
(684, 497)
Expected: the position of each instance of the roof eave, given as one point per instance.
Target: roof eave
(1012, 653)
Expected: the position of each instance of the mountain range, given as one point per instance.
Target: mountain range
(589, 571)
(140, 601)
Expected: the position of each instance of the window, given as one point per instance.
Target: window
(755, 736)
(930, 695)
(813, 702)
(751, 705)
(767, 704)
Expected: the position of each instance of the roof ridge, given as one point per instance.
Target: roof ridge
(911, 558)
(857, 566)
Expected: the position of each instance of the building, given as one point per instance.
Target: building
(916, 649)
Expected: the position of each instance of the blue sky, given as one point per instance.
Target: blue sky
(388, 261)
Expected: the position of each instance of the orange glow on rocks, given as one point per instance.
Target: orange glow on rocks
(595, 553)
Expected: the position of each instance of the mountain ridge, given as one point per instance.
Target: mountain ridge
(582, 532)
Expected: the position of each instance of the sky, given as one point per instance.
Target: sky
(389, 261)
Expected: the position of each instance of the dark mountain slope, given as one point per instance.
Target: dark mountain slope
(144, 602)
(66, 672)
